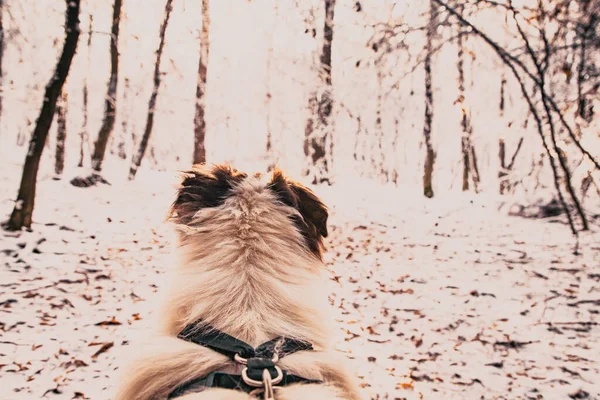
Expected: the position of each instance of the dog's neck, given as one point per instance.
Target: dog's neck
(251, 278)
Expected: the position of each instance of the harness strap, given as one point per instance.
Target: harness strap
(229, 381)
(229, 346)
(259, 362)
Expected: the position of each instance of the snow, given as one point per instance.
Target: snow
(440, 298)
(431, 299)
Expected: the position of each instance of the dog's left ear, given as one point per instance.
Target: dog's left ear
(314, 213)
(203, 187)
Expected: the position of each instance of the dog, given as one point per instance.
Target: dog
(249, 270)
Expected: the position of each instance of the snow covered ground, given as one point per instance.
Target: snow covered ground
(441, 299)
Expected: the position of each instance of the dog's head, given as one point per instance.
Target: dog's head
(214, 187)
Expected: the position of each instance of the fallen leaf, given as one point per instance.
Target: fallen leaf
(112, 321)
(103, 349)
(378, 341)
(405, 385)
(495, 364)
(74, 363)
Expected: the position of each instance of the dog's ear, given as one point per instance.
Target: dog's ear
(311, 207)
(313, 225)
(203, 187)
(281, 187)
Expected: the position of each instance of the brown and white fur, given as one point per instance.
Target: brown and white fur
(250, 265)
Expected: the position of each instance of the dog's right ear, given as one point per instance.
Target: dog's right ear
(203, 187)
(313, 224)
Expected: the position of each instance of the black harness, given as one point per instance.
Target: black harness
(260, 371)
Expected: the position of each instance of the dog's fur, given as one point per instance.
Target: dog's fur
(250, 249)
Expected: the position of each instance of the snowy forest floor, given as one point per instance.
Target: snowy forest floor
(433, 299)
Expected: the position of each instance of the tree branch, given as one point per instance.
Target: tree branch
(541, 76)
(507, 57)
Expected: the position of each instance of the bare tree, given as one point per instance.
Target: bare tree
(395, 175)
(388, 37)
(199, 119)
(379, 165)
(139, 154)
(318, 141)
(501, 145)
(430, 153)
(110, 104)
(549, 107)
(273, 157)
(586, 31)
(468, 150)
(124, 121)
(61, 133)
(505, 168)
(128, 137)
(23, 210)
(84, 137)
(2, 44)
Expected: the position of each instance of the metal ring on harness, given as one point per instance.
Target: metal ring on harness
(240, 359)
(244, 361)
(254, 383)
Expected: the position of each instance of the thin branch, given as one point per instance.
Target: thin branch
(514, 157)
(421, 61)
(551, 158)
(561, 158)
(506, 57)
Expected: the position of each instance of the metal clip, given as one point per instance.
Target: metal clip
(254, 383)
(268, 386)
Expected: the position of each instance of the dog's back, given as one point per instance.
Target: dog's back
(250, 267)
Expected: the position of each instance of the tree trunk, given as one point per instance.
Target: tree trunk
(273, 158)
(502, 103)
(468, 151)
(318, 142)
(380, 165)
(84, 137)
(501, 145)
(430, 153)
(474, 167)
(22, 213)
(466, 162)
(584, 108)
(61, 133)
(502, 173)
(465, 139)
(122, 146)
(1, 55)
(139, 155)
(199, 119)
(357, 138)
(110, 105)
